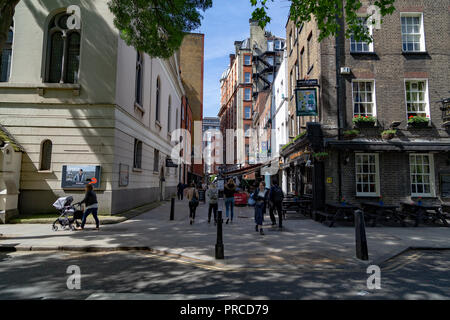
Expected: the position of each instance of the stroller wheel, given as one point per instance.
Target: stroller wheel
(54, 227)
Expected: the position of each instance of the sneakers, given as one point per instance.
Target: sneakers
(227, 220)
(261, 232)
(256, 228)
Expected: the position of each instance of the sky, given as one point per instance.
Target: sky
(228, 21)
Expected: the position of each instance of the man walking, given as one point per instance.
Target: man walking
(180, 190)
(276, 199)
(212, 194)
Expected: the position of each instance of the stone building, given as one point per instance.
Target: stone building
(398, 82)
(79, 97)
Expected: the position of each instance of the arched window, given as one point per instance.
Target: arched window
(137, 163)
(139, 69)
(158, 98)
(169, 115)
(63, 51)
(6, 54)
(46, 155)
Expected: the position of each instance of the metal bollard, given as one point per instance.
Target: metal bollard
(360, 235)
(172, 209)
(219, 244)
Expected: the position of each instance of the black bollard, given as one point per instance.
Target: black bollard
(219, 244)
(360, 234)
(172, 209)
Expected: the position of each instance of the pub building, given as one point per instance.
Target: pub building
(381, 128)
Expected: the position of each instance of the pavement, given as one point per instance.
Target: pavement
(303, 243)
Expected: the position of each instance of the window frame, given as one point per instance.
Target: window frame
(377, 175)
(158, 101)
(8, 47)
(156, 160)
(374, 97)
(245, 112)
(245, 94)
(249, 77)
(370, 46)
(431, 174)
(422, 42)
(41, 157)
(247, 63)
(137, 154)
(169, 114)
(139, 79)
(427, 98)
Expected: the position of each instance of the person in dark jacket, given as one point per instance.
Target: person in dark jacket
(261, 196)
(229, 191)
(276, 203)
(91, 204)
(180, 190)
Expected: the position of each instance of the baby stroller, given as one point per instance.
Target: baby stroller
(68, 214)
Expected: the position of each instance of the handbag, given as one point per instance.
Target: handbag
(251, 202)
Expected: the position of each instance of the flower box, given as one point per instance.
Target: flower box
(364, 121)
(418, 121)
(388, 134)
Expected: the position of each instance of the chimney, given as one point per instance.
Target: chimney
(232, 57)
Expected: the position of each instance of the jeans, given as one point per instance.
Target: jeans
(229, 205)
(259, 213)
(213, 207)
(180, 195)
(278, 207)
(87, 213)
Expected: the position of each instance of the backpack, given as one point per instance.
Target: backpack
(277, 194)
(194, 200)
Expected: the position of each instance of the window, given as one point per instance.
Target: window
(247, 112)
(247, 77)
(46, 155)
(158, 98)
(247, 130)
(278, 45)
(137, 164)
(169, 114)
(291, 41)
(63, 51)
(247, 150)
(367, 174)
(364, 98)
(270, 60)
(416, 98)
(156, 160)
(302, 63)
(270, 77)
(308, 52)
(139, 67)
(422, 175)
(270, 45)
(247, 60)
(5, 63)
(359, 46)
(292, 83)
(176, 118)
(413, 38)
(247, 94)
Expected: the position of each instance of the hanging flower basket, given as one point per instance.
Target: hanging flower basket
(320, 156)
(418, 121)
(388, 134)
(364, 121)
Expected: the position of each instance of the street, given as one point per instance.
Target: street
(140, 275)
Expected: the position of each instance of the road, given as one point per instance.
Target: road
(143, 275)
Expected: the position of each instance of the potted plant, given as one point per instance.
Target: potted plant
(350, 134)
(418, 121)
(388, 134)
(320, 156)
(364, 121)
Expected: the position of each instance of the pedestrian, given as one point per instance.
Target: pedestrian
(229, 191)
(213, 194)
(91, 204)
(180, 189)
(276, 204)
(260, 196)
(192, 196)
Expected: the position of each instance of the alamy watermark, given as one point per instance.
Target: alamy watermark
(74, 280)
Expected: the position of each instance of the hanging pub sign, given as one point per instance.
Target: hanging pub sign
(306, 102)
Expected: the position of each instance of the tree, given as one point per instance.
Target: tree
(327, 14)
(156, 27)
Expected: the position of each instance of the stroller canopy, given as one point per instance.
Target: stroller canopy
(62, 202)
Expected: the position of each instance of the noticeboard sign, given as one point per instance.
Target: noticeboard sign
(308, 83)
(306, 102)
(77, 176)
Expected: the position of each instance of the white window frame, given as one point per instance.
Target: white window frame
(245, 94)
(370, 46)
(249, 80)
(247, 56)
(422, 30)
(374, 96)
(427, 100)
(377, 175)
(432, 192)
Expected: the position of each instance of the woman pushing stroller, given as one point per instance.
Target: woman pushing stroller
(91, 204)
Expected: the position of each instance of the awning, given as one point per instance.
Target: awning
(422, 146)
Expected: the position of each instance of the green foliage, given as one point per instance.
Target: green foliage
(351, 133)
(320, 155)
(286, 145)
(301, 135)
(358, 119)
(157, 27)
(386, 132)
(328, 14)
(418, 119)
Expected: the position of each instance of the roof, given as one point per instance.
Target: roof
(6, 137)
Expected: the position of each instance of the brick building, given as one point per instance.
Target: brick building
(402, 74)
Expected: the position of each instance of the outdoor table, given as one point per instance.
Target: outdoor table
(339, 211)
(424, 212)
(289, 204)
(376, 211)
(306, 206)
